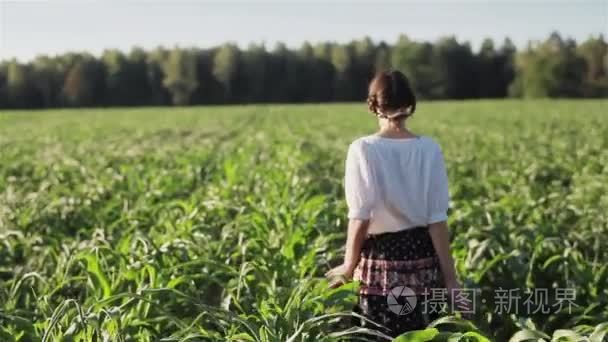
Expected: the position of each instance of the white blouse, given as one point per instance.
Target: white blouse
(396, 183)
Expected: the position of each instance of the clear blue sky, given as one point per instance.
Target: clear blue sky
(28, 28)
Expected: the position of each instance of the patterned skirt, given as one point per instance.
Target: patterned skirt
(395, 271)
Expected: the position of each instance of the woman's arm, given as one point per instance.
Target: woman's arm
(357, 231)
(438, 205)
(441, 242)
(359, 188)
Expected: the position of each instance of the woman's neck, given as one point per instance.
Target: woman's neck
(390, 130)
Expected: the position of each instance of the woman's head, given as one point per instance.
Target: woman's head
(391, 96)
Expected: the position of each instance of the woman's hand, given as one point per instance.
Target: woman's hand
(460, 301)
(357, 230)
(340, 275)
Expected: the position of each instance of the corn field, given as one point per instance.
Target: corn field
(218, 223)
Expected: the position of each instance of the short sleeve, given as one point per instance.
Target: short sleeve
(438, 197)
(359, 183)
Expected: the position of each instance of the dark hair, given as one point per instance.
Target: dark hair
(391, 96)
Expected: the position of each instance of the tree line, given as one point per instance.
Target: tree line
(444, 69)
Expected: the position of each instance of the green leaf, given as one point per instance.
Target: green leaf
(455, 321)
(100, 279)
(566, 335)
(241, 337)
(454, 337)
(476, 336)
(418, 335)
(528, 335)
(599, 333)
(446, 336)
(8, 337)
(551, 260)
(176, 281)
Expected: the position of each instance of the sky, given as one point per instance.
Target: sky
(30, 28)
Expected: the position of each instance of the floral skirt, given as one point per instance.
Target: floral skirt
(395, 272)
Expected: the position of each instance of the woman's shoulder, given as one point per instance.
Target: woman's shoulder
(357, 144)
(430, 142)
(362, 141)
(424, 141)
(361, 145)
(371, 139)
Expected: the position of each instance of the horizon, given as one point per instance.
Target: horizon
(50, 28)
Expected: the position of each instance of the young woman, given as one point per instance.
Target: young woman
(397, 194)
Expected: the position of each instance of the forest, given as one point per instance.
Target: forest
(321, 72)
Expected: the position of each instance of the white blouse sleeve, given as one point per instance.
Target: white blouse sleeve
(359, 184)
(438, 197)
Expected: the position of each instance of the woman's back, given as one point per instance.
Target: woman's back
(397, 194)
(396, 183)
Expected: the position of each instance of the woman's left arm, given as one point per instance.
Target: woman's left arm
(441, 242)
(357, 231)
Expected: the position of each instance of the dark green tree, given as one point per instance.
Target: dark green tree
(156, 75)
(226, 67)
(85, 83)
(3, 86)
(140, 91)
(255, 69)
(416, 61)
(445, 69)
(343, 62)
(21, 90)
(454, 64)
(48, 79)
(595, 53)
(550, 69)
(382, 58)
(180, 75)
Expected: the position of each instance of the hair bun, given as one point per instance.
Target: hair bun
(372, 103)
(390, 92)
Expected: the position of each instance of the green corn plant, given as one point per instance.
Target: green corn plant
(207, 224)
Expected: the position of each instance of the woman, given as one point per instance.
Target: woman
(397, 194)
